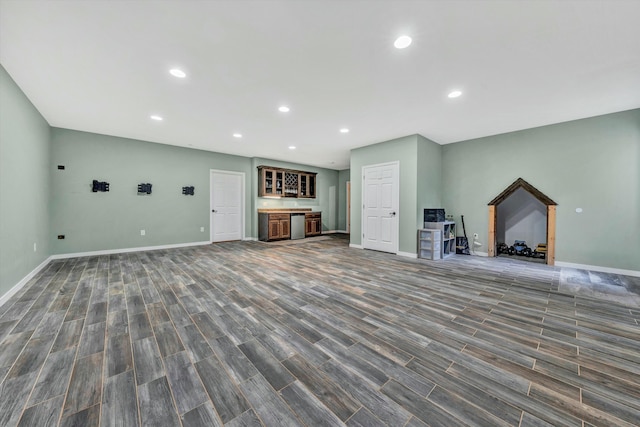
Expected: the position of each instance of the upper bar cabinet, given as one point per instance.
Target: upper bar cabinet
(278, 182)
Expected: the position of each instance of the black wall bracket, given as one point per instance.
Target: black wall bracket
(144, 188)
(188, 191)
(99, 186)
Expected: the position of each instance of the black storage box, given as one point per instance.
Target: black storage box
(434, 215)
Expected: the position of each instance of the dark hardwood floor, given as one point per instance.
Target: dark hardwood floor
(314, 333)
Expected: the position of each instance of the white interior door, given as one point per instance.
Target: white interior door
(227, 207)
(381, 201)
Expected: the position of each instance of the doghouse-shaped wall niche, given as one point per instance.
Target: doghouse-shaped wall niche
(545, 200)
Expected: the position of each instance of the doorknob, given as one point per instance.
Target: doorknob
(213, 210)
(392, 213)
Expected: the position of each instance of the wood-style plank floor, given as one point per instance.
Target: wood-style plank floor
(315, 334)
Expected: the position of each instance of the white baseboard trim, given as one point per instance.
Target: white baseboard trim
(126, 250)
(250, 239)
(478, 253)
(335, 232)
(634, 273)
(404, 254)
(407, 254)
(4, 298)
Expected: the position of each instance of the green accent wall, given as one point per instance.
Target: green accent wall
(113, 220)
(344, 176)
(24, 185)
(326, 193)
(593, 164)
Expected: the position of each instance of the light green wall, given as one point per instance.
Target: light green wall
(24, 185)
(429, 170)
(403, 150)
(344, 176)
(593, 164)
(113, 220)
(326, 193)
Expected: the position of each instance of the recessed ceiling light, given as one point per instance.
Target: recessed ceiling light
(283, 109)
(175, 72)
(455, 94)
(344, 130)
(292, 147)
(402, 42)
(156, 118)
(237, 135)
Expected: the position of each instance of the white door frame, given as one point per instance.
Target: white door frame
(396, 202)
(348, 207)
(242, 200)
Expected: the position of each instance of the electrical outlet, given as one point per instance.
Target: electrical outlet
(475, 235)
(202, 229)
(143, 233)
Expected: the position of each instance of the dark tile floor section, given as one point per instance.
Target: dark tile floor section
(315, 334)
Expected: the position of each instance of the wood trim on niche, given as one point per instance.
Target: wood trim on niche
(551, 235)
(492, 231)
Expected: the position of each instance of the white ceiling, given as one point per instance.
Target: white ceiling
(102, 66)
